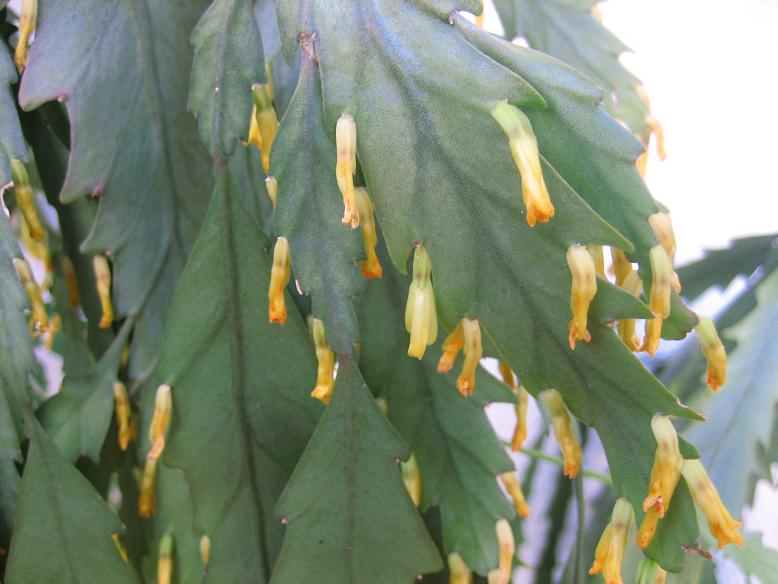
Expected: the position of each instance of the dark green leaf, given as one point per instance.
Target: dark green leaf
(241, 410)
(308, 213)
(567, 30)
(349, 517)
(440, 172)
(228, 60)
(11, 140)
(729, 446)
(63, 527)
(123, 77)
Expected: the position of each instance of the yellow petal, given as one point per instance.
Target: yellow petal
(459, 572)
(473, 351)
(103, 282)
(513, 486)
(659, 297)
(584, 288)
(563, 431)
(371, 267)
(325, 375)
(420, 314)
(28, 17)
(346, 167)
(163, 410)
(714, 352)
(723, 527)
(266, 119)
(279, 278)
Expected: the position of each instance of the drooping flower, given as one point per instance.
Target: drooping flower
(513, 486)
(563, 431)
(659, 297)
(609, 555)
(723, 527)
(714, 352)
(39, 318)
(522, 403)
(160, 421)
(266, 120)
(103, 282)
(584, 288)
(279, 278)
(524, 148)
(28, 17)
(371, 267)
(123, 414)
(634, 285)
(325, 374)
(346, 167)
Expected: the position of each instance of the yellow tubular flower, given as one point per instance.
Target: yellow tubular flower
(25, 200)
(524, 148)
(412, 479)
(27, 21)
(723, 527)
(279, 278)
(584, 288)
(371, 267)
(609, 554)
(664, 477)
(271, 184)
(346, 167)
(662, 226)
(205, 549)
(147, 501)
(522, 403)
(714, 352)
(454, 343)
(659, 298)
(40, 319)
(325, 375)
(267, 120)
(513, 486)
(621, 266)
(473, 351)
(123, 413)
(163, 409)
(103, 280)
(165, 562)
(459, 572)
(421, 319)
(507, 547)
(634, 285)
(563, 431)
(254, 136)
(599, 259)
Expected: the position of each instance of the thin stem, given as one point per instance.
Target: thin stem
(592, 474)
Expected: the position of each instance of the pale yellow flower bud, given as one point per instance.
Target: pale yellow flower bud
(163, 410)
(205, 549)
(609, 555)
(634, 285)
(103, 282)
(472, 351)
(513, 486)
(266, 119)
(123, 414)
(371, 267)
(271, 184)
(421, 319)
(659, 297)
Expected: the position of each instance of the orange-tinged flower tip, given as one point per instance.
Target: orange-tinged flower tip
(346, 167)
(103, 282)
(667, 466)
(147, 501)
(647, 529)
(454, 343)
(584, 287)
(507, 545)
(659, 297)
(609, 554)
(266, 119)
(459, 572)
(524, 149)
(165, 561)
(163, 410)
(271, 184)
(621, 266)
(723, 527)
(123, 414)
(28, 17)
(279, 278)
(472, 351)
(325, 376)
(421, 319)
(40, 318)
(714, 352)
(205, 549)
(563, 431)
(412, 479)
(371, 267)
(513, 486)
